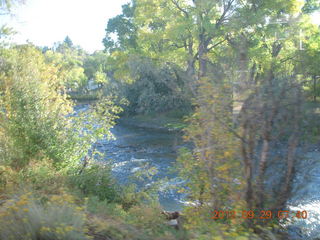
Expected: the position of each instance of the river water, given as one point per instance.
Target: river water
(136, 147)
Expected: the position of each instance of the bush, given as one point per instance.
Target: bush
(42, 177)
(25, 218)
(139, 223)
(33, 117)
(96, 180)
(103, 208)
(156, 87)
(37, 121)
(7, 177)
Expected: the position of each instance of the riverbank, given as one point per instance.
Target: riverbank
(169, 121)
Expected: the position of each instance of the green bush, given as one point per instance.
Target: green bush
(42, 177)
(104, 208)
(96, 180)
(37, 121)
(156, 87)
(141, 222)
(33, 121)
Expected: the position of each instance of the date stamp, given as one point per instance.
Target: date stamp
(263, 214)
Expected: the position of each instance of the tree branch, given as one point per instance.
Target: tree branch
(226, 8)
(217, 44)
(180, 8)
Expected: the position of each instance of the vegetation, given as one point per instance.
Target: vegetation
(240, 73)
(243, 67)
(47, 148)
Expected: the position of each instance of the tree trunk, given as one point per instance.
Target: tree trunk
(314, 88)
(292, 146)
(262, 168)
(203, 50)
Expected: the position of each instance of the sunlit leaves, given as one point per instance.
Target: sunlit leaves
(37, 119)
(121, 31)
(70, 65)
(33, 104)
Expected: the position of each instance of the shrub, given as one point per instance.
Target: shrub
(139, 223)
(103, 208)
(42, 177)
(7, 177)
(25, 218)
(156, 87)
(148, 218)
(37, 121)
(96, 180)
(33, 117)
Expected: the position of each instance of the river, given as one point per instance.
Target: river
(134, 147)
(137, 148)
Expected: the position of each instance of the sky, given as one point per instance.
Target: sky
(44, 22)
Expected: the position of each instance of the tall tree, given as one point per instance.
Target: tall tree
(67, 41)
(121, 31)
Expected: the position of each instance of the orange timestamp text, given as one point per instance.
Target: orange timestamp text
(263, 214)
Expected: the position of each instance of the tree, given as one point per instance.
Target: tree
(70, 61)
(121, 31)
(67, 41)
(271, 102)
(241, 64)
(308, 58)
(37, 121)
(96, 62)
(126, 52)
(311, 6)
(33, 105)
(245, 57)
